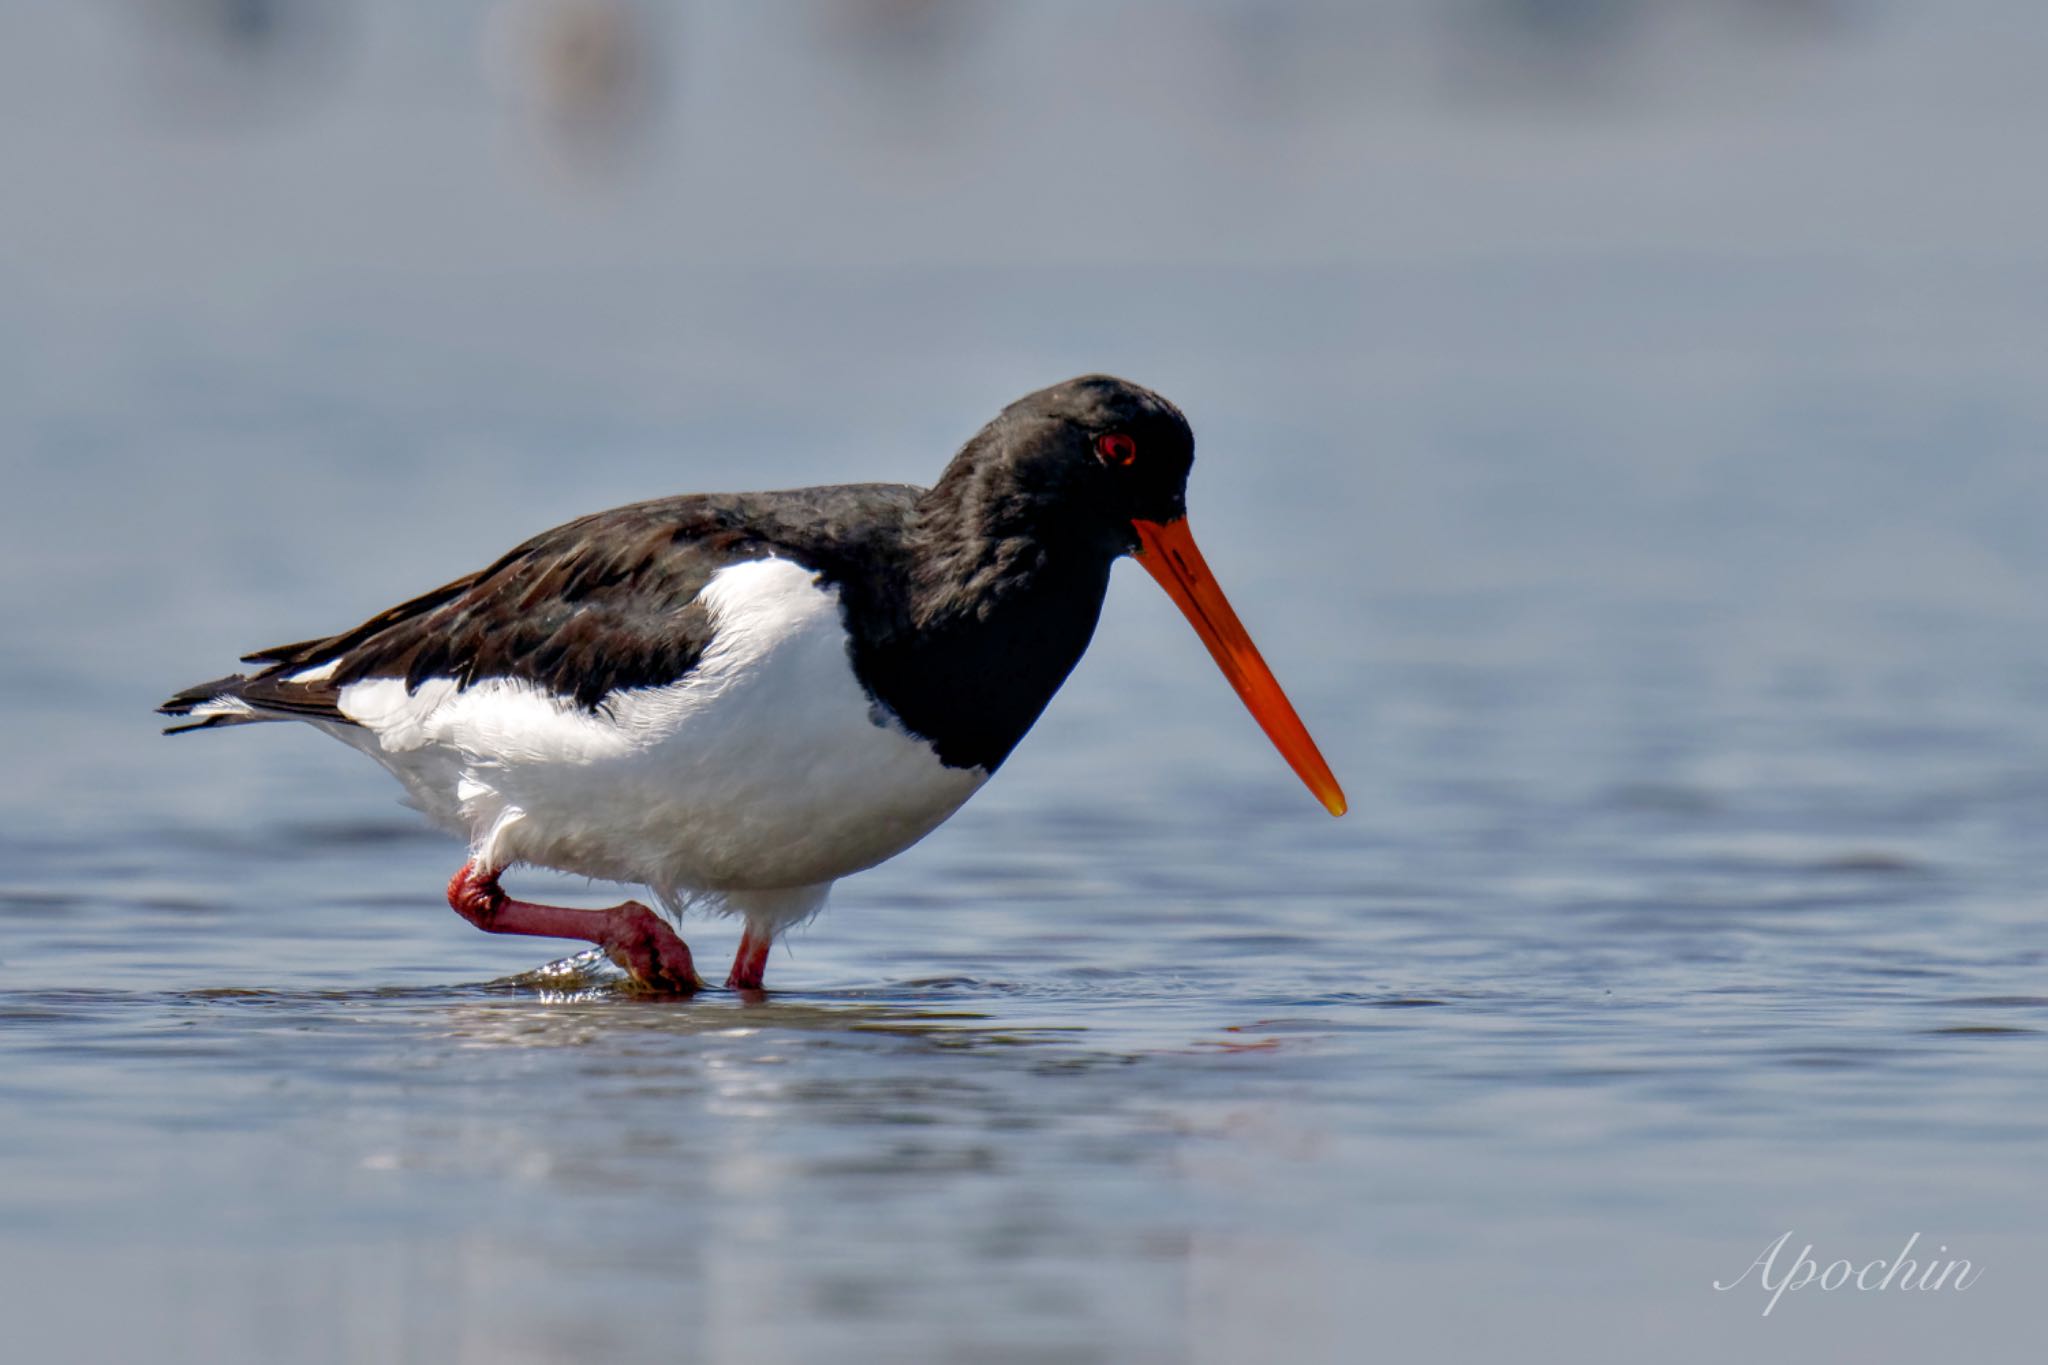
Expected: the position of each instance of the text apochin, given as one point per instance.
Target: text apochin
(1901, 1272)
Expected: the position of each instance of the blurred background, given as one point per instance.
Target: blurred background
(1738, 300)
(1621, 422)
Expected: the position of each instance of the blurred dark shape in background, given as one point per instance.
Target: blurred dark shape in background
(239, 62)
(1567, 23)
(1577, 50)
(910, 63)
(593, 76)
(587, 73)
(900, 29)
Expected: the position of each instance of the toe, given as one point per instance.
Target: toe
(653, 953)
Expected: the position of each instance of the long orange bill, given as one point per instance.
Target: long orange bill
(1167, 550)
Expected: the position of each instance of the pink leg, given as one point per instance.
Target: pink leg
(750, 964)
(631, 935)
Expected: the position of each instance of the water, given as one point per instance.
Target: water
(1665, 589)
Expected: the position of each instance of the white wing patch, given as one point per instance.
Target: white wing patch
(755, 608)
(507, 720)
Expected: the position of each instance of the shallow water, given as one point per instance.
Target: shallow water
(1670, 611)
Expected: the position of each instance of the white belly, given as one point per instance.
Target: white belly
(767, 768)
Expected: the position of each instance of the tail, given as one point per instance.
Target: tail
(208, 704)
(240, 699)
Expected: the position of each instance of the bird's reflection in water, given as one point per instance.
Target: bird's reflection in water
(584, 1000)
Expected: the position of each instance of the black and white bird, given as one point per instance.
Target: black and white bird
(735, 699)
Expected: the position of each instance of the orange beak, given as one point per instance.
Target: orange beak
(1167, 550)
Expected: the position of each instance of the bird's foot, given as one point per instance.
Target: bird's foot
(638, 940)
(653, 954)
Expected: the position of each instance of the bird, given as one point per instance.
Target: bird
(736, 699)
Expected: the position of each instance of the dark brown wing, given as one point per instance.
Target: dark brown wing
(602, 603)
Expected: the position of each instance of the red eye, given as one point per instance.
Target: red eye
(1116, 448)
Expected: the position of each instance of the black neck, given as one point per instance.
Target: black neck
(997, 605)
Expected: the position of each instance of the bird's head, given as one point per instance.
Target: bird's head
(1100, 465)
(1096, 454)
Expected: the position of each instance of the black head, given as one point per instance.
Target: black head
(1014, 548)
(1079, 460)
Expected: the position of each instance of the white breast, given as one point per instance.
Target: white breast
(768, 767)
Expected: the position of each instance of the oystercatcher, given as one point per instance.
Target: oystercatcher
(735, 699)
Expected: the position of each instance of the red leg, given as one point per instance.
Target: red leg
(750, 964)
(631, 934)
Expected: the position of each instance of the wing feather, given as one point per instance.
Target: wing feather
(603, 603)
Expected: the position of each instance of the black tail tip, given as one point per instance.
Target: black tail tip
(189, 726)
